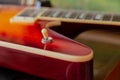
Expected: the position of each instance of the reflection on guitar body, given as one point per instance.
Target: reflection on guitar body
(21, 47)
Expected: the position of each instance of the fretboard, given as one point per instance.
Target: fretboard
(65, 15)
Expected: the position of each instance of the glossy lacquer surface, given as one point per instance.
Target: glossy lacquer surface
(21, 49)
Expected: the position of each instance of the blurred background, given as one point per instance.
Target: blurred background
(98, 5)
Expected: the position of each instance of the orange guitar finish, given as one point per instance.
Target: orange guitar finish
(21, 49)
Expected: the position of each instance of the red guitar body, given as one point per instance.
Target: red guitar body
(21, 49)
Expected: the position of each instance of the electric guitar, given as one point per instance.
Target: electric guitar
(71, 22)
(28, 45)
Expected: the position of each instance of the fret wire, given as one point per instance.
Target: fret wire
(98, 16)
(60, 14)
(68, 14)
(36, 12)
(82, 15)
(111, 17)
(56, 13)
(43, 10)
(51, 13)
(46, 13)
(93, 16)
(63, 14)
(77, 14)
(72, 14)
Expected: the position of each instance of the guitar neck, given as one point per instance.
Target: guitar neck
(65, 15)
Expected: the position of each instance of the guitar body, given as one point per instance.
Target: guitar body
(21, 49)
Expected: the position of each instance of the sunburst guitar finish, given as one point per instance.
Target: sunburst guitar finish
(21, 47)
